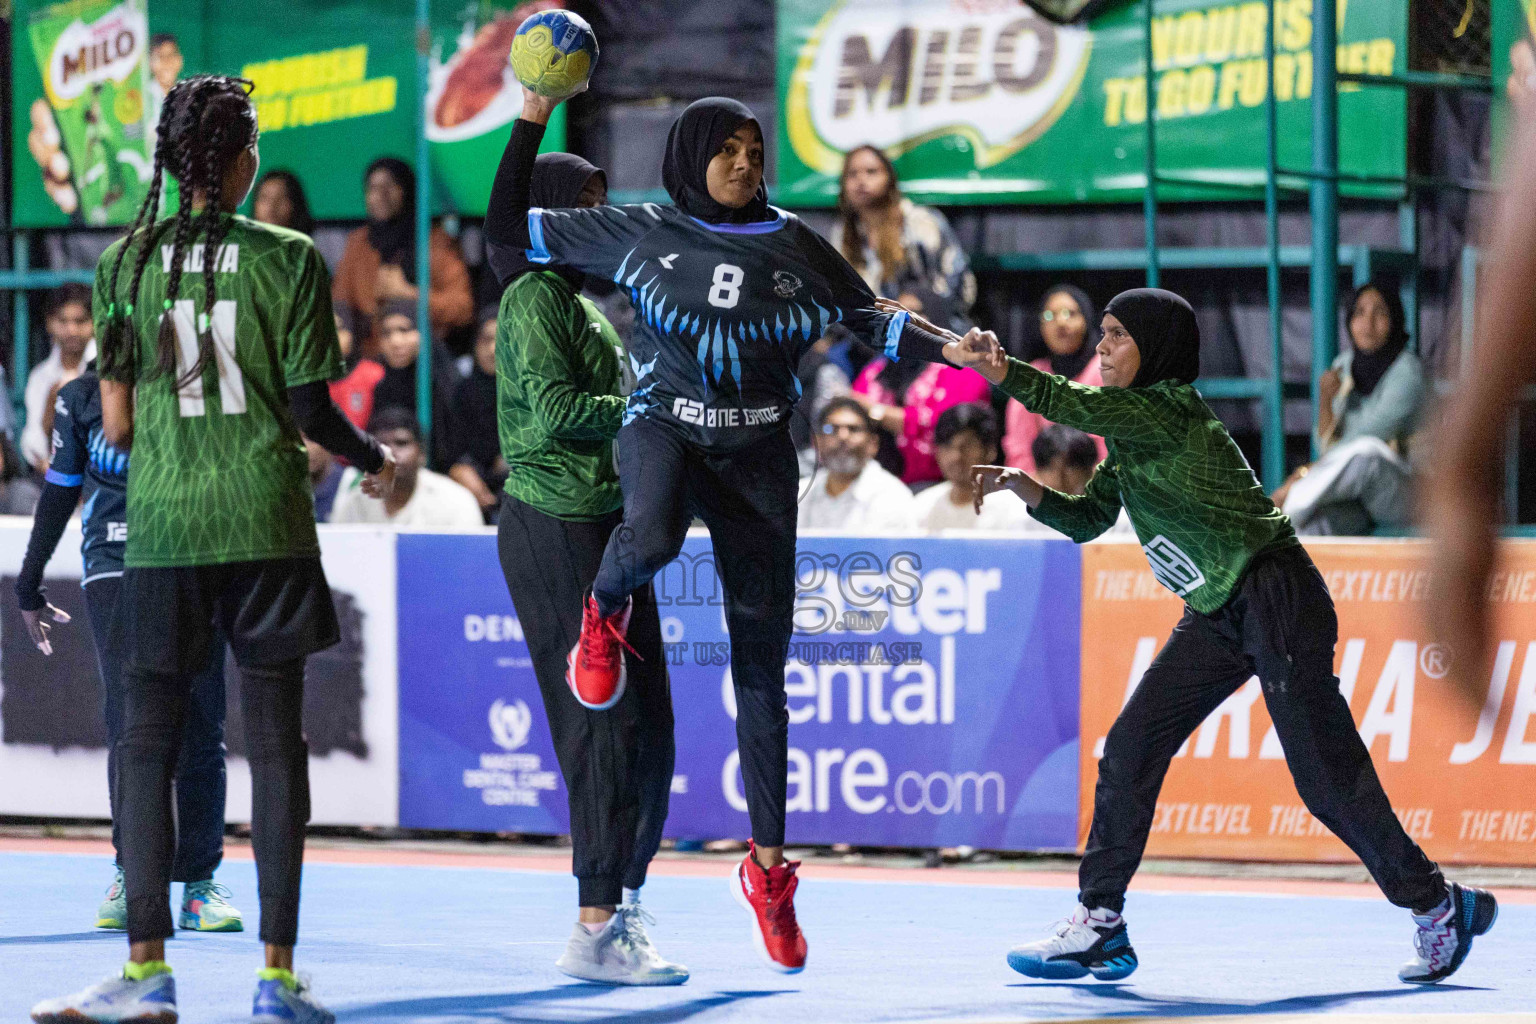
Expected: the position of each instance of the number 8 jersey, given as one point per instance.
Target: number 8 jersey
(219, 472)
(724, 311)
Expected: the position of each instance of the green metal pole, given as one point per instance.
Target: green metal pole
(1324, 193)
(1274, 405)
(21, 340)
(423, 227)
(1149, 199)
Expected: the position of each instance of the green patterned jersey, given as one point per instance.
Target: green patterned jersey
(1198, 510)
(219, 472)
(559, 402)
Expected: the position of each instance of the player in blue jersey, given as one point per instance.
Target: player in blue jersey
(83, 461)
(730, 292)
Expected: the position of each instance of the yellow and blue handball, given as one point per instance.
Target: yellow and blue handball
(554, 54)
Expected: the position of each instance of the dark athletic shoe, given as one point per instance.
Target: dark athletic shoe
(1444, 936)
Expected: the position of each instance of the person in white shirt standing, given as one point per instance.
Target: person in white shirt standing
(67, 319)
(966, 436)
(851, 492)
(421, 499)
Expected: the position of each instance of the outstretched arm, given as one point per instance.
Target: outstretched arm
(1463, 492)
(506, 215)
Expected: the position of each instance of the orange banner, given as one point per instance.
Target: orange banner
(1463, 785)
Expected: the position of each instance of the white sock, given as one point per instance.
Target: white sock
(594, 927)
(1103, 915)
(632, 896)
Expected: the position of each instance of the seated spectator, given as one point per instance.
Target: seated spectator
(475, 438)
(279, 199)
(1066, 346)
(324, 478)
(964, 438)
(1371, 401)
(378, 264)
(1064, 459)
(850, 492)
(19, 487)
(905, 398)
(72, 338)
(399, 347)
(421, 499)
(353, 394)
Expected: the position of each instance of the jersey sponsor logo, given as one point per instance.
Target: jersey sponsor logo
(785, 284)
(693, 412)
(227, 262)
(117, 533)
(1172, 567)
(666, 261)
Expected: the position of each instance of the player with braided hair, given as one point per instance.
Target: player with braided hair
(215, 354)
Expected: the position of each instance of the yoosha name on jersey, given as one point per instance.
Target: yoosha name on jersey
(192, 261)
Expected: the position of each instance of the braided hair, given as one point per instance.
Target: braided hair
(207, 121)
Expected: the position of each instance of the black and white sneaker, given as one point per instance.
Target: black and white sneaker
(1444, 935)
(1089, 942)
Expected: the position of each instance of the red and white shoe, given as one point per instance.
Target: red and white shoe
(769, 896)
(594, 670)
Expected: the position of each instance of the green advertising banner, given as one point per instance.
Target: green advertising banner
(335, 88)
(985, 101)
(1514, 62)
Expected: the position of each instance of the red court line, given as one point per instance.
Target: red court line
(687, 868)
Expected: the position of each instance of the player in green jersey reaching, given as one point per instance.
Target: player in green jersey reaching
(215, 353)
(1254, 605)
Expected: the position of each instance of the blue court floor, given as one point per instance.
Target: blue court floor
(417, 944)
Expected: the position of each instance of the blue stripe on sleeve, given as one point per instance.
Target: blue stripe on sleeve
(63, 479)
(893, 335)
(538, 254)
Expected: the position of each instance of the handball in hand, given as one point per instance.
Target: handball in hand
(554, 54)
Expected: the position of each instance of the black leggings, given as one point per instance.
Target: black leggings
(154, 716)
(617, 763)
(1280, 625)
(747, 499)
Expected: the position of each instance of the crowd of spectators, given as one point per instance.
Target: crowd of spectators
(886, 446)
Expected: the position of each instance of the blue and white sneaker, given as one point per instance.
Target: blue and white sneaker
(205, 907)
(118, 1000)
(1089, 942)
(1444, 935)
(283, 998)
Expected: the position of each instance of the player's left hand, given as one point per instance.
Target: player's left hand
(381, 484)
(980, 351)
(986, 479)
(38, 625)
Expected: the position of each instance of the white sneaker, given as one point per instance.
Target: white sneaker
(1443, 937)
(620, 954)
(1090, 941)
(117, 1000)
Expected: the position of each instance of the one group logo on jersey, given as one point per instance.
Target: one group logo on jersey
(897, 75)
(1172, 567)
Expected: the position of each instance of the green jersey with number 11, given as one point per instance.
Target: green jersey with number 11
(219, 472)
(1198, 510)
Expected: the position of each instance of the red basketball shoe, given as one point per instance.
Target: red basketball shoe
(769, 896)
(594, 670)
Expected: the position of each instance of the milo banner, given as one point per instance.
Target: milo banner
(984, 101)
(88, 136)
(1459, 780)
(335, 88)
(931, 685)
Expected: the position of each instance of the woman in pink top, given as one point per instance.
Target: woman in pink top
(908, 400)
(1069, 335)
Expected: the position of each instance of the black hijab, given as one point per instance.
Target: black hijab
(557, 181)
(696, 136)
(1163, 326)
(395, 238)
(1073, 363)
(1367, 368)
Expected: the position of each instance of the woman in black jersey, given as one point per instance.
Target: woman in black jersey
(729, 292)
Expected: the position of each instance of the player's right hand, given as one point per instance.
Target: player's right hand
(381, 484)
(38, 624)
(981, 351)
(537, 108)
